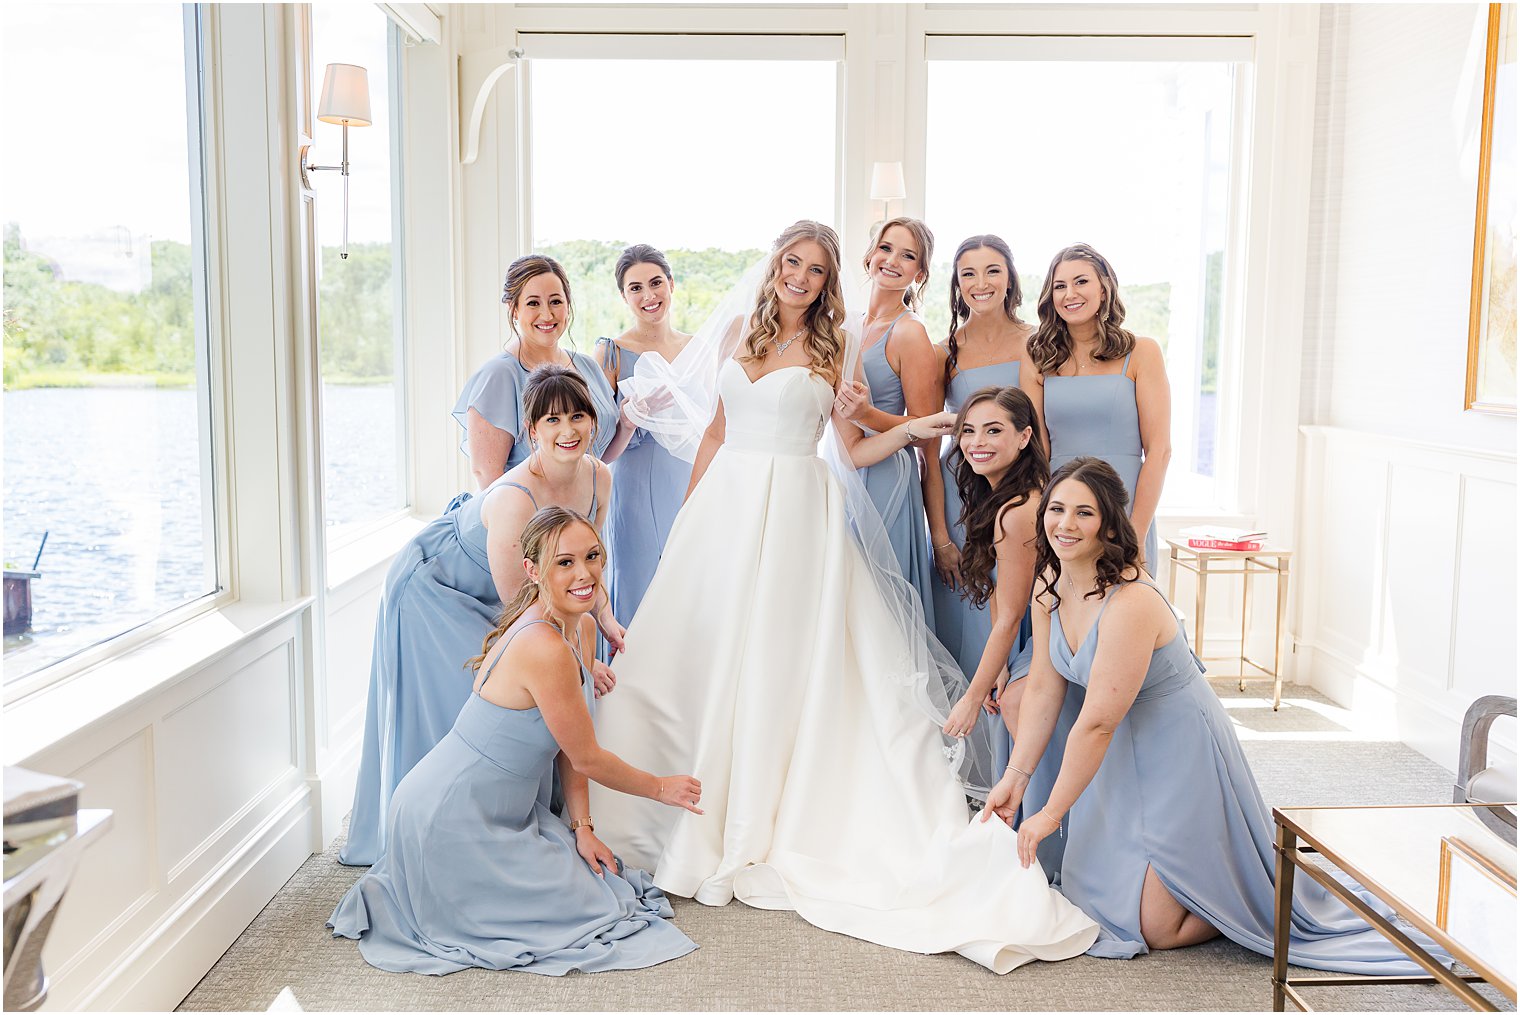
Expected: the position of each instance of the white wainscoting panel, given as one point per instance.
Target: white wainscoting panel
(1408, 604)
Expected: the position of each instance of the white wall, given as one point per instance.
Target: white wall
(1408, 509)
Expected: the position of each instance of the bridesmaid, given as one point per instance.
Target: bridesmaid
(648, 482)
(1001, 471)
(984, 347)
(444, 590)
(1169, 841)
(480, 871)
(490, 407)
(902, 382)
(1100, 390)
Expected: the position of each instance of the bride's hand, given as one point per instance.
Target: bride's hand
(680, 791)
(963, 717)
(936, 424)
(852, 400)
(594, 851)
(603, 678)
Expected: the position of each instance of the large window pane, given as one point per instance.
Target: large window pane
(667, 152)
(107, 439)
(1130, 157)
(359, 318)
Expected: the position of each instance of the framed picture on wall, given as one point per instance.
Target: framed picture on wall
(1491, 323)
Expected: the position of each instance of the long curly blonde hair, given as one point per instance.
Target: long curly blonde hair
(1051, 344)
(823, 322)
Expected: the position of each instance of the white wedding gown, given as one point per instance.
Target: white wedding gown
(764, 662)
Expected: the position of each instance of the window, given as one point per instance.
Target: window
(1128, 148)
(359, 308)
(108, 451)
(666, 150)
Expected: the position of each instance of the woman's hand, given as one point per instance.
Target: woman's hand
(658, 401)
(611, 629)
(594, 851)
(1005, 798)
(680, 791)
(1032, 832)
(853, 399)
(602, 677)
(963, 717)
(947, 562)
(937, 424)
(996, 694)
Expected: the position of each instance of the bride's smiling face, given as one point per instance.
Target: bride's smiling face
(802, 274)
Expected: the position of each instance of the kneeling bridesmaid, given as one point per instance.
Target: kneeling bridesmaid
(478, 871)
(1169, 841)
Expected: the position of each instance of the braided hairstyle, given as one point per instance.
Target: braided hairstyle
(960, 310)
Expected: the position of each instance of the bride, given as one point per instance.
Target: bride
(785, 668)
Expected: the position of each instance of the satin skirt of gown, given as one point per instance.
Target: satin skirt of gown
(480, 873)
(764, 663)
(1174, 793)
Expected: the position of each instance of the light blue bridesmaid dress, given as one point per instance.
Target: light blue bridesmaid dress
(894, 485)
(438, 605)
(961, 627)
(648, 486)
(495, 391)
(1174, 792)
(1098, 415)
(481, 873)
(965, 628)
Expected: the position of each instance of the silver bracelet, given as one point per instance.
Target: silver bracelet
(908, 432)
(1020, 771)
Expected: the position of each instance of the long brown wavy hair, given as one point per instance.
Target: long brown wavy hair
(1121, 547)
(539, 542)
(524, 270)
(1051, 344)
(960, 310)
(923, 236)
(823, 322)
(981, 502)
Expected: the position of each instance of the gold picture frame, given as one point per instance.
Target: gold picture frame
(1491, 320)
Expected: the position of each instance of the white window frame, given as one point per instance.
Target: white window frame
(1229, 497)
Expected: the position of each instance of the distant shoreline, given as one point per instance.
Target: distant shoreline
(164, 381)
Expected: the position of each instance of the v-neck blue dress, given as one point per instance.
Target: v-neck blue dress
(480, 872)
(1174, 793)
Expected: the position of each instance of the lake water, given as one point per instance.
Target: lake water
(114, 476)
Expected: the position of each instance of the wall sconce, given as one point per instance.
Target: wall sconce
(345, 101)
(887, 185)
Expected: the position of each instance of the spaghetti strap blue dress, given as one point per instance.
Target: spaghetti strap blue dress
(480, 873)
(438, 605)
(648, 487)
(495, 391)
(893, 483)
(1174, 793)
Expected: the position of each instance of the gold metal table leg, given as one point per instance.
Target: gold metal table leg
(1282, 918)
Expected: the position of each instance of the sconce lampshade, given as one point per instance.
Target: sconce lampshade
(345, 95)
(887, 182)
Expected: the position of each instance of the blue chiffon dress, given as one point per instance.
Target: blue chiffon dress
(495, 391)
(481, 873)
(960, 626)
(894, 485)
(1098, 415)
(438, 605)
(648, 486)
(1174, 793)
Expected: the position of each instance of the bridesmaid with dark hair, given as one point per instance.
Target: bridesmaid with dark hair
(490, 408)
(1100, 389)
(903, 381)
(1168, 840)
(984, 347)
(648, 482)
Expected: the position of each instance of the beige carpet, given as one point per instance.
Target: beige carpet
(1308, 753)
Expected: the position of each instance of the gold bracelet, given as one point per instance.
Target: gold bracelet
(1051, 816)
(948, 542)
(582, 823)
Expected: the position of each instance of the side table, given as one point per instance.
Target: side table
(1248, 564)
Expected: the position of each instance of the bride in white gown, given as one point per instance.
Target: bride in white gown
(766, 659)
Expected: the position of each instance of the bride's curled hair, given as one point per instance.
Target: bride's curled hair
(1120, 559)
(823, 322)
(981, 502)
(540, 542)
